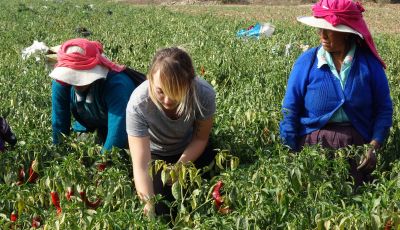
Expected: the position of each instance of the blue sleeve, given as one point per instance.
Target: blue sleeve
(293, 102)
(382, 103)
(117, 93)
(60, 110)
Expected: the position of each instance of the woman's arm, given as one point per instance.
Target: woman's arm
(60, 110)
(141, 157)
(383, 108)
(201, 133)
(293, 102)
(291, 107)
(382, 103)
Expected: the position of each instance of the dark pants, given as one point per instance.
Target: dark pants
(335, 136)
(101, 135)
(205, 159)
(5, 133)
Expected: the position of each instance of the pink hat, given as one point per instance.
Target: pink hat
(81, 62)
(343, 16)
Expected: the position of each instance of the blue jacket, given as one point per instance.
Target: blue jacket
(313, 95)
(104, 110)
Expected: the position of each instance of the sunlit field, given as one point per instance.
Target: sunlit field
(264, 185)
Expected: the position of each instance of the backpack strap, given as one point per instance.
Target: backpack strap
(137, 77)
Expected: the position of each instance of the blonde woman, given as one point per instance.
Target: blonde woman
(169, 117)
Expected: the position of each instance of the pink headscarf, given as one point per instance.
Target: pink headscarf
(91, 57)
(349, 13)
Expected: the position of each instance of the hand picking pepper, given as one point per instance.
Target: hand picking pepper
(56, 201)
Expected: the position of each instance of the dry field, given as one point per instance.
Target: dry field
(381, 18)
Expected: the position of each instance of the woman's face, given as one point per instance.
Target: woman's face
(166, 102)
(333, 41)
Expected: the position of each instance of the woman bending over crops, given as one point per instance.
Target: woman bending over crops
(92, 88)
(169, 117)
(338, 94)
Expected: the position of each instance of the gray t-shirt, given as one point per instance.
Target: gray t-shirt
(167, 137)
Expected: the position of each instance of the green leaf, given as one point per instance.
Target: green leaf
(358, 199)
(327, 224)
(342, 224)
(164, 176)
(198, 181)
(218, 159)
(48, 183)
(234, 163)
(176, 190)
(376, 220)
(193, 202)
(377, 202)
(90, 212)
(298, 175)
(182, 175)
(21, 206)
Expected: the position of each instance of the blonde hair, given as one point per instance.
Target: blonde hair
(177, 77)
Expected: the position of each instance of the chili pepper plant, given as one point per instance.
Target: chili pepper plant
(255, 183)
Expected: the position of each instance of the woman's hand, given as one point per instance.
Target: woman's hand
(368, 163)
(141, 157)
(148, 209)
(201, 133)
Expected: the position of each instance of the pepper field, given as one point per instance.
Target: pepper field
(269, 189)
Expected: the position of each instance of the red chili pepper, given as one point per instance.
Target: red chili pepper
(83, 195)
(56, 201)
(33, 172)
(13, 217)
(217, 195)
(21, 176)
(101, 167)
(388, 225)
(69, 193)
(92, 205)
(36, 222)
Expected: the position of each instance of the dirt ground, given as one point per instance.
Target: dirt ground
(211, 2)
